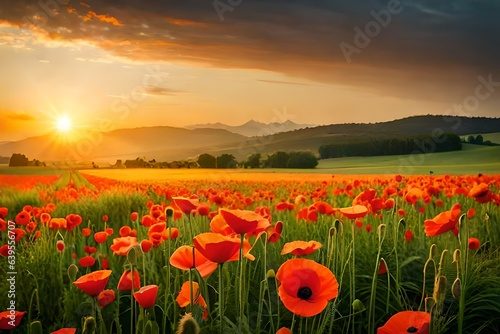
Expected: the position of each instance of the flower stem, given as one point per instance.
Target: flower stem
(221, 300)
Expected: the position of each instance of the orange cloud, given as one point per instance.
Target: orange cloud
(103, 18)
(186, 23)
(19, 116)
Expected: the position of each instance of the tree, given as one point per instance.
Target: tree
(206, 160)
(17, 160)
(253, 161)
(277, 160)
(479, 140)
(226, 161)
(302, 160)
(471, 140)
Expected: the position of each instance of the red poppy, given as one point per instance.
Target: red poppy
(22, 218)
(121, 246)
(220, 226)
(382, 269)
(106, 297)
(184, 297)
(274, 232)
(186, 205)
(471, 213)
(89, 250)
(306, 286)
(124, 231)
(284, 330)
(30, 227)
(134, 216)
(474, 243)
(65, 331)
(100, 237)
(60, 245)
(443, 222)
(19, 233)
(401, 212)
(105, 264)
(73, 221)
(481, 193)
(244, 221)
(94, 282)
(413, 195)
(215, 247)
(3, 225)
(4, 212)
(299, 248)
(110, 231)
(146, 296)
(408, 235)
(125, 282)
(4, 250)
(10, 319)
(86, 231)
(354, 212)
(105, 218)
(183, 258)
(45, 218)
(407, 322)
(146, 245)
(86, 261)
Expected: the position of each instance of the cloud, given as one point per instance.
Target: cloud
(19, 116)
(284, 82)
(157, 90)
(428, 50)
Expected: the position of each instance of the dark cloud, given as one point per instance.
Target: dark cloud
(424, 49)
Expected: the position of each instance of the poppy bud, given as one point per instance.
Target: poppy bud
(132, 256)
(381, 231)
(456, 288)
(169, 211)
(439, 292)
(72, 271)
(358, 306)
(429, 304)
(89, 326)
(60, 245)
(188, 325)
(270, 274)
(456, 255)
(432, 251)
(36, 327)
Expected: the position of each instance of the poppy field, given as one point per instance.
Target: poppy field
(265, 253)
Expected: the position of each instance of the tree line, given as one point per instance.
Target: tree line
(392, 146)
(280, 159)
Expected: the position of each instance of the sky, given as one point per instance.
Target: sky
(130, 63)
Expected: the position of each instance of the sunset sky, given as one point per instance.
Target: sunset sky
(163, 62)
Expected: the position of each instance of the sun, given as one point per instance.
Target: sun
(63, 124)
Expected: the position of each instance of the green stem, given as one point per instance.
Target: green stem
(191, 291)
(221, 300)
(240, 285)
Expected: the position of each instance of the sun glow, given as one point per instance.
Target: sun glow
(63, 124)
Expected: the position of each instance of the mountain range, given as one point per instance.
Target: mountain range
(164, 143)
(253, 128)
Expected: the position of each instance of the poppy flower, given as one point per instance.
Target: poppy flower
(100, 237)
(443, 222)
(471, 213)
(94, 282)
(306, 286)
(86, 261)
(124, 231)
(105, 218)
(408, 235)
(122, 245)
(110, 231)
(146, 296)
(299, 248)
(19, 233)
(73, 221)
(125, 282)
(407, 322)
(134, 216)
(30, 227)
(481, 193)
(86, 231)
(56, 223)
(186, 205)
(244, 221)
(22, 218)
(215, 247)
(354, 212)
(274, 232)
(60, 245)
(382, 269)
(4, 212)
(284, 330)
(6, 318)
(3, 225)
(4, 250)
(184, 297)
(219, 225)
(106, 297)
(89, 250)
(146, 245)
(105, 264)
(45, 218)
(474, 243)
(183, 258)
(65, 331)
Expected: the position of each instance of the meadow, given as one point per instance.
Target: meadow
(186, 251)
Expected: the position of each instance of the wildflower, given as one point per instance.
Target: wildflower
(481, 193)
(283, 330)
(382, 269)
(86, 261)
(306, 286)
(184, 256)
(186, 205)
(124, 231)
(125, 282)
(443, 222)
(60, 245)
(4, 211)
(408, 235)
(122, 245)
(65, 331)
(9, 321)
(146, 296)
(184, 297)
(94, 282)
(215, 247)
(100, 237)
(86, 231)
(407, 322)
(353, 212)
(22, 218)
(106, 297)
(244, 221)
(146, 245)
(300, 248)
(134, 216)
(274, 232)
(474, 243)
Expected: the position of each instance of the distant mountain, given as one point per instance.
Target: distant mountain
(164, 143)
(253, 128)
